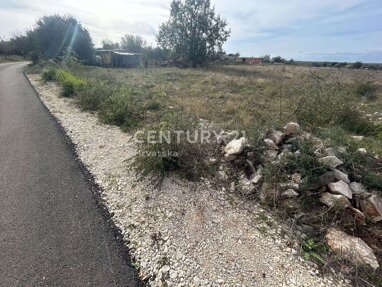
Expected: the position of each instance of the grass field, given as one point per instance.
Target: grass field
(245, 95)
(332, 103)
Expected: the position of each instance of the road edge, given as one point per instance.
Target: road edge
(95, 189)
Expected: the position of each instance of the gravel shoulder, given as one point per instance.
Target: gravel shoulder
(181, 234)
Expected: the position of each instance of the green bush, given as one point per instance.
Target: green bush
(94, 93)
(70, 83)
(305, 163)
(120, 109)
(365, 89)
(49, 74)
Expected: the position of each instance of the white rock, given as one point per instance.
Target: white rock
(257, 176)
(340, 187)
(331, 161)
(334, 200)
(226, 137)
(276, 136)
(270, 144)
(222, 175)
(330, 151)
(291, 129)
(359, 189)
(246, 186)
(362, 150)
(358, 138)
(351, 248)
(235, 147)
(341, 176)
(288, 194)
(271, 155)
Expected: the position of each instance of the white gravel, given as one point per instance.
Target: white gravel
(183, 234)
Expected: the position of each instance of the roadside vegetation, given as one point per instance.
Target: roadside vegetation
(332, 106)
(338, 110)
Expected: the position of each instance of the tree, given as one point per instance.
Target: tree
(21, 45)
(133, 44)
(53, 35)
(194, 32)
(107, 44)
(5, 47)
(278, 59)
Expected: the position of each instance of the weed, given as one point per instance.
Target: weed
(312, 250)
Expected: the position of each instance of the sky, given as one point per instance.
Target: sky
(324, 30)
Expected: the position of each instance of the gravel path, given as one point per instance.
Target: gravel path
(184, 234)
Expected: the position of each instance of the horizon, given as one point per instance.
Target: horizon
(325, 31)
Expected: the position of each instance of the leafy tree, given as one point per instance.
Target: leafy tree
(156, 54)
(53, 35)
(193, 31)
(107, 44)
(278, 59)
(21, 45)
(133, 43)
(357, 65)
(5, 47)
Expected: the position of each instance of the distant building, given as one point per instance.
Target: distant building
(249, 60)
(118, 58)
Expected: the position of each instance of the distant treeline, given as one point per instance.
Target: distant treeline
(180, 39)
(356, 65)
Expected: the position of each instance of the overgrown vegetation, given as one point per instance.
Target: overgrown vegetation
(329, 105)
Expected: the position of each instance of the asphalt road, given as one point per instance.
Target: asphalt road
(52, 233)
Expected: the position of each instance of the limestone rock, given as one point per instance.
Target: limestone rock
(351, 248)
(359, 189)
(270, 144)
(357, 215)
(358, 138)
(331, 161)
(340, 187)
(291, 129)
(276, 136)
(226, 137)
(330, 151)
(335, 200)
(362, 150)
(372, 208)
(246, 186)
(257, 176)
(271, 155)
(339, 175)
(235, 147)
(288, 185)
(222, 175)
(289, 194)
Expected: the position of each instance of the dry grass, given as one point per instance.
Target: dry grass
(242, 96)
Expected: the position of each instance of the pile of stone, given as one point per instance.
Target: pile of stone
(335, 188)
